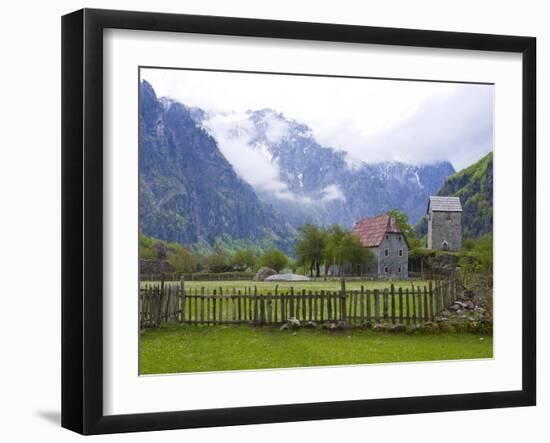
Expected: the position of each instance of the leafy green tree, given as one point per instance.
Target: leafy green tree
(344, 248)
(182, 259)
(274, 259)
(402, 221)
(310, 247)
(217, 262)
(146, 251)
(243, 260)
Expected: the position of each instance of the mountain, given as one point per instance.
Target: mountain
(474, 186)
(311, 182)
(189, 192)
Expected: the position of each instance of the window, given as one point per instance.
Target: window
(399, 269)
(387, 237)
(399, 238)
(386, 252)
(386, 269)
(401, 253)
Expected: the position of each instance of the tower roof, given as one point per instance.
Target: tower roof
(444, 204)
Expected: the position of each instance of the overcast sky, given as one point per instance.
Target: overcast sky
(373, 120)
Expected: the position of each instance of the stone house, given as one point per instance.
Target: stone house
(444, 223)
(383, 236)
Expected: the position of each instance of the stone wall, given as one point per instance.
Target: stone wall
(445, 227)
(393, 243)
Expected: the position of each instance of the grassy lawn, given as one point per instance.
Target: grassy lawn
(186, 348)
(264, 287)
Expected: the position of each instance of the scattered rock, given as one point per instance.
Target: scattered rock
(398, 328)
(310, 324)
(338, 325)
(293, 323)
(283, 327)
(263, 273)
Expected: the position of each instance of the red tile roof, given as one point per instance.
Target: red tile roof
(371, 230)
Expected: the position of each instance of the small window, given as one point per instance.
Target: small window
(399, 238)
(399, 269)
(401, 253)
(387, 237)
(386, 252)
(386, 269)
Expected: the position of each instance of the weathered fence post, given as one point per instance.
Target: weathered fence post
(343, 300)
(400, 291)
(392, 288)
(262, 309)
(432, 307)
(239, 302)
(427, 315)
(377, 306)
(413, 299)
(362, 303)
(369, 316)
(182, 286)
(202, 306)
(255, 304)
(160, 300)
(269, 310)
(421, 317)
(385, 292)
(214, 306)
(407, 300)
(291, 301)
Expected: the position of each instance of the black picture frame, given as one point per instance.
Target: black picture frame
(82, 218)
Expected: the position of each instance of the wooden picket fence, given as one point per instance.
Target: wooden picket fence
(167, 302)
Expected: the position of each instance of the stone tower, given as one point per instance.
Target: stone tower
(444, 223)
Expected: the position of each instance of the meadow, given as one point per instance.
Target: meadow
(175, 348)
(315, 285)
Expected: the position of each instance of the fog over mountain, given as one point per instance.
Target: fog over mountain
(282, 160)
(258, 175)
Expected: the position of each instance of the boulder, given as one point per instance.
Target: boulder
(263, 273)
(293, 323)
(286, 277)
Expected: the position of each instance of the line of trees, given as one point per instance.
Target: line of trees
(325, 247)
(317, 248)
(183, 260)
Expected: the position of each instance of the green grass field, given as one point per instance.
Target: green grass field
(187, 348)
(264, 287)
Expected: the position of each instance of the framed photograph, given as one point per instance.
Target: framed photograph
(268, 221)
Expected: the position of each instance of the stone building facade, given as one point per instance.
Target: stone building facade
(389, 245)
(444, 223)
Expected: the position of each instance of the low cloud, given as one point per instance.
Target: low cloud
(234, 133)
(332, 192)
(373, 120)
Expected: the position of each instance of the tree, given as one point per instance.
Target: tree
(146, 251)
(402, 221)
(218, 262)
(344, 248)
(181, 258)
(311, 246)
(274, 259)
(243, 259)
